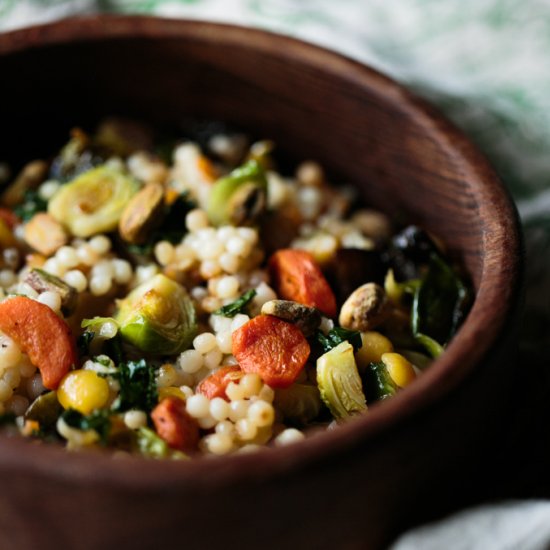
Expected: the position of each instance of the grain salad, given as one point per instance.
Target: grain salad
(177, 298)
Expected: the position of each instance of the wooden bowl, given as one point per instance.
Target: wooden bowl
(421, 454)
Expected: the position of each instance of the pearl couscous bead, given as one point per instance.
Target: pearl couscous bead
(108, 330)
(205, 342)
(261, 413)
(166, 376)
(190, 361)
(288, 436)
(206, 422)
(239, 409)
(196, 219)
(76, 279)
(48, 189)
(26, 368)
(246, 429)
(122, 271)
(225, 427)
(227, 287)
(238, 246)
(100, 285)
(135, 419)
(87, 255)
(34, 386)
(197, 406)
(5, 391)
(219, 409)
(210, 268)
(12, 377)
(267, 394)
(213, 358)
(10, 353)
(67, 257)
(17, 405)
(225, 341)
(238, 321)
(50, 299)
(7, 277)
(164, 252)
(187, 391)
(234, 391)
(100, 244)
(229, 262)
(53, 267)
(250, 384)
(218, 444)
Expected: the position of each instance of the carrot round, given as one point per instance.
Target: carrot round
(274, 349)
(216, 383)
(296, 276)
(174, 425)
(42, 335)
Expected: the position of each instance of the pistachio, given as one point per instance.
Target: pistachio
(142, 214)
(42, 281)
(45, 234)
(366, 308)
(307, 319)
(32, 175)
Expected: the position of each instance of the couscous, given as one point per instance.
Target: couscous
(191, 299)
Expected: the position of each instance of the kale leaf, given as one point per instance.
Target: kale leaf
(99, 421)
(338, 335)
(238, 306)
(138, 389)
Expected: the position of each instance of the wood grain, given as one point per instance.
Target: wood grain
(427, 451)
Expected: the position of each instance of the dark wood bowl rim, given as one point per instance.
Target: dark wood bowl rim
(481, 331)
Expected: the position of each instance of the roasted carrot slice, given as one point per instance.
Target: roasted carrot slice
(274, 349)
(174, 425)
(296, 276)
(215, 384)
(42, 335)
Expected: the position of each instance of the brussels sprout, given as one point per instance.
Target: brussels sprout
(158, 316)
(300, 403)
(93, 202)
(240, 197)
(339, 382)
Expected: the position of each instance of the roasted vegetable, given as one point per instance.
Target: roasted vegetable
(339, 382)
(240, 197)
(215, 384)
(42, 335)
(45, 409)
(41, 281)
(299, 404)
(158, 316)
(98, 421)
(373, 346)
(175, 425)
(93, 202)
(336, 336)
(378, 383)
(150, 445)
(272, 348)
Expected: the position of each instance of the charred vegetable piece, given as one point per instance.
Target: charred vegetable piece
(93, 202)
(158, 317)
(83, 390)
(45, 409)
(378, 383)
(42, 335)
(296, 276)
(439, 306)
(238, 306)
(300, 403)
(350, 268)
(339, 382)
(32, 175)
(240, 197)
(272, 348)
(45, 234)
(216, 383)
(174, 425)
(365, 309)
(42, 281)
(142, 214)
(307, 319)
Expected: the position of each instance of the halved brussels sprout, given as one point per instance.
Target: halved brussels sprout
(300, 403)
(339, 382)
(240, 197)
(158, 316)
(93, 202)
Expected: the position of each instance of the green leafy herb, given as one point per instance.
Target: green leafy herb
(238, 306)
(338, 335)
(377, 382)
(138, 389)
(439, 305)
(99, 421)
(83, 342)
(31, 205)
(152, 446)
